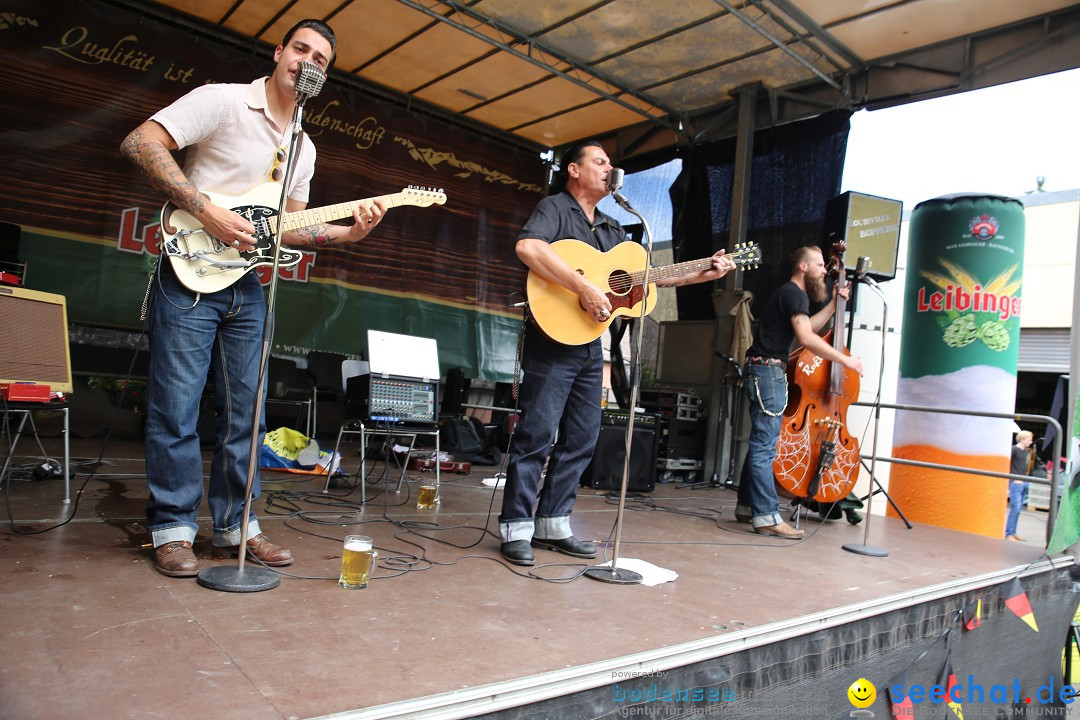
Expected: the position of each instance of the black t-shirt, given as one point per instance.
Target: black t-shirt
(775, 333)
(558, 217)
(1020, 458)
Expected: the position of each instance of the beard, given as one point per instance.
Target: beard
(816, 289)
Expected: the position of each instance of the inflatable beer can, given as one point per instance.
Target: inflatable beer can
(958, 350)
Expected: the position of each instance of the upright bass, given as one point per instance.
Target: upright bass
(816, 458)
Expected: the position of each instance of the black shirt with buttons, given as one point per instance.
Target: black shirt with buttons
(558, 217)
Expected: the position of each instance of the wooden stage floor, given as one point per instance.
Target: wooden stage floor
(447, 629)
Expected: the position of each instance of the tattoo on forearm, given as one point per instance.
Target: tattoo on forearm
(158, 164)
(316, 236)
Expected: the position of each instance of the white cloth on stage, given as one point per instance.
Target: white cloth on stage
(650, 574)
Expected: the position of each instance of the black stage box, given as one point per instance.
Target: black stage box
(680, 438)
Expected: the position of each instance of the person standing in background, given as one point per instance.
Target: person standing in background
(1023, 463)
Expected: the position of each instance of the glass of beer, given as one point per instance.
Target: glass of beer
(357, 560)
(428, 496)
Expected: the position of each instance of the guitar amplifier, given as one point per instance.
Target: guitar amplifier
(609, 458)
(34, 342)
(391, 399)
(622, 417)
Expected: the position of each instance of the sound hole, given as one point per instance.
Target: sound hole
(619, 282)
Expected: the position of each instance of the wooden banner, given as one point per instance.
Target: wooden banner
(80, 74)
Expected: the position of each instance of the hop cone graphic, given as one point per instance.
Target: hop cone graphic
(995, 335)
(962, 331)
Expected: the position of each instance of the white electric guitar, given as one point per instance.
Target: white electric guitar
(206, 265)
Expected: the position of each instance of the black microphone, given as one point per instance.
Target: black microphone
(309, 81)
(862, 266)
(615, 179)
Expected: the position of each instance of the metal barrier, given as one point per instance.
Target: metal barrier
(1052, 481)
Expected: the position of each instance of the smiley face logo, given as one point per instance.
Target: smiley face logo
(862, 693)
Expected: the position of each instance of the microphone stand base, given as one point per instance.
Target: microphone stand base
(870, 550)
(615, 576)
(229, 578)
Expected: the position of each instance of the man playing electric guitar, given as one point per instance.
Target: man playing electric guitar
(560, 390)
(236, 138)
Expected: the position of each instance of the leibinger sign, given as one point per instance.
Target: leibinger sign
(974, 693)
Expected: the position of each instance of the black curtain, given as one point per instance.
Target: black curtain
(796, 169)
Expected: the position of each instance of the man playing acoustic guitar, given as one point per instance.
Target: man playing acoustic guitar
(561, 387)
(236, 138)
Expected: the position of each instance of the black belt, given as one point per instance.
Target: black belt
(759, 360)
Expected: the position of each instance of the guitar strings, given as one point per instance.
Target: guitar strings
(621, 281)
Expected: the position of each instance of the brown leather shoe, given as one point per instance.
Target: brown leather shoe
(176, 559)
(781, 529)
(260, 548)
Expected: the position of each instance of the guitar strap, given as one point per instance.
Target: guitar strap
(619, 384)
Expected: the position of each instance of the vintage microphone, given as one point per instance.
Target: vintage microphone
(613, 573)
(861, 268)
(309, 81)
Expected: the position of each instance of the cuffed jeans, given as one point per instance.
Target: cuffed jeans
(766, 390)
(193, 335)
(560, 398)
(1017, 488)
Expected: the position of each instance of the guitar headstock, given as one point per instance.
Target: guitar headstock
(747, 255)
(422, 197)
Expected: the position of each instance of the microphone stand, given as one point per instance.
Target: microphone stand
(255, 579)
(865, 548)
(613, 573)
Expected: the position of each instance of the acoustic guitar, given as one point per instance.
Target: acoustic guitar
(620, 273)
(204, 264)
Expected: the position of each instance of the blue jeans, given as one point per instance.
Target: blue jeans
(559, 396)
(192, 337)
(766, 391)
(1017, 489)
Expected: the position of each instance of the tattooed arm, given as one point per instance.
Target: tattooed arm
(149, 147)
(319, 236)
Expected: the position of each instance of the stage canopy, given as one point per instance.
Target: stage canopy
(657, 74)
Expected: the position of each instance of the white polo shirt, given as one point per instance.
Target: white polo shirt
(232, 140)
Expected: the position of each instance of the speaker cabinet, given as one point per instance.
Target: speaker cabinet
(870, 226)
(606, 469)
(34, 338)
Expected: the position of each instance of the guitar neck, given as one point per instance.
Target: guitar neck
(329, 213)
(672, 271)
